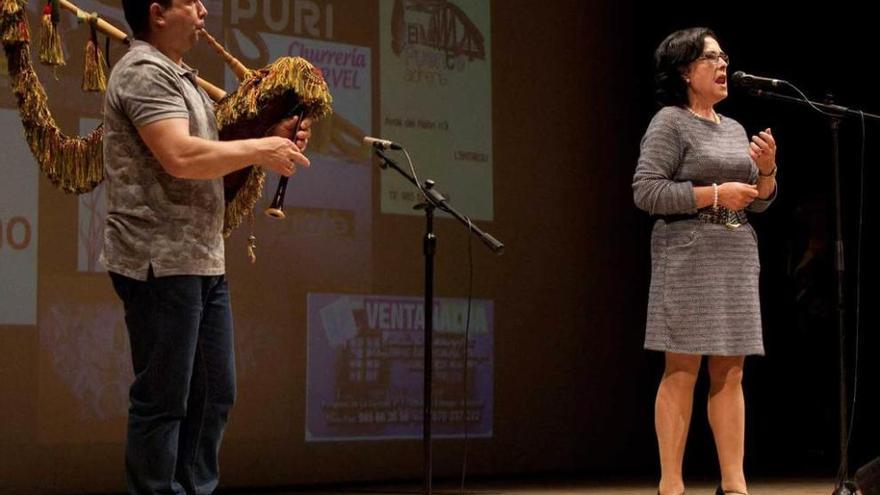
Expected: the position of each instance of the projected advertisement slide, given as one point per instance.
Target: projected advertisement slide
(365, 367)
(18, 226)
(437, 100)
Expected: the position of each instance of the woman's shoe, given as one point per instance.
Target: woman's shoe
(719, 491)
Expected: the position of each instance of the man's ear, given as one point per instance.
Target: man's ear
(157, 14)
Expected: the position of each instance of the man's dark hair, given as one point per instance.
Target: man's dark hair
(137, 15)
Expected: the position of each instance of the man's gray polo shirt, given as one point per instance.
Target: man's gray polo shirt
(153, 218)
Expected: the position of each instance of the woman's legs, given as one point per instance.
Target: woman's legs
(672, 417)
(727, 418)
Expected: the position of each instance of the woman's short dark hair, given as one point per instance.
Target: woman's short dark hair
(137, 15)
(672, 57)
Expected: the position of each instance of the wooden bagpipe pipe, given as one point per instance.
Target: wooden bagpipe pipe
(289, 86)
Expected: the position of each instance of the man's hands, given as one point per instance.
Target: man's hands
(280, 154)
(286, 127)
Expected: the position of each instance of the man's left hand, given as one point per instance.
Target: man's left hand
(286, 127)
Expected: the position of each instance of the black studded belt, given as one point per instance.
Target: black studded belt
(724, 216)
(720, 215)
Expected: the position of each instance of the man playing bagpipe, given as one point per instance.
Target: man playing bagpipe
(163, 245)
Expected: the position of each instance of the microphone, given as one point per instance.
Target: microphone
(740, 78)
(381, 144)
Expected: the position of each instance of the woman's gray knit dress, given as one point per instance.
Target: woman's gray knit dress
(704, 276)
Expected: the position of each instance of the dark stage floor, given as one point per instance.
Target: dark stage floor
(564, 487)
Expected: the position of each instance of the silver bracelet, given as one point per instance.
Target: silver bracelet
(715, 196)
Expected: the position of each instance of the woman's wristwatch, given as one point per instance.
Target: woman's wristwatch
(771, 174)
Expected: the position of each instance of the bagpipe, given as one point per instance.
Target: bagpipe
(287, 87)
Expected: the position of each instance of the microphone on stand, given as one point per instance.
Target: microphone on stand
(740, 78)
(381, 144)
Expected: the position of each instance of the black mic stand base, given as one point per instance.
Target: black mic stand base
(845, 488)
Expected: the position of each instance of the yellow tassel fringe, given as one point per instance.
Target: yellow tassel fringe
(8, 7)
(95, 70)
(285, 74)
(13, 26)
(73, 164)
(50, 42)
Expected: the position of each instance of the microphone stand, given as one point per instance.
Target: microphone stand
(836, 113)
(433, 200)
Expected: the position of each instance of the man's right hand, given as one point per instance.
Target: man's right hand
(280, 155)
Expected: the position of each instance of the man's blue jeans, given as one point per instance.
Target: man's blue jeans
(180, 329)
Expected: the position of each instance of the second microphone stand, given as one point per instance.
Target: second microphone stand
(835, 114)
(433, 200)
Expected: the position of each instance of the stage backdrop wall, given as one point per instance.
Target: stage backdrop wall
(510, 110)
(529, 116)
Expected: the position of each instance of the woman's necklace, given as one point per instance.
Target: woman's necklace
(715, 118)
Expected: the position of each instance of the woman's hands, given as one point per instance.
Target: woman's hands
(762, 149)
(736, 195)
